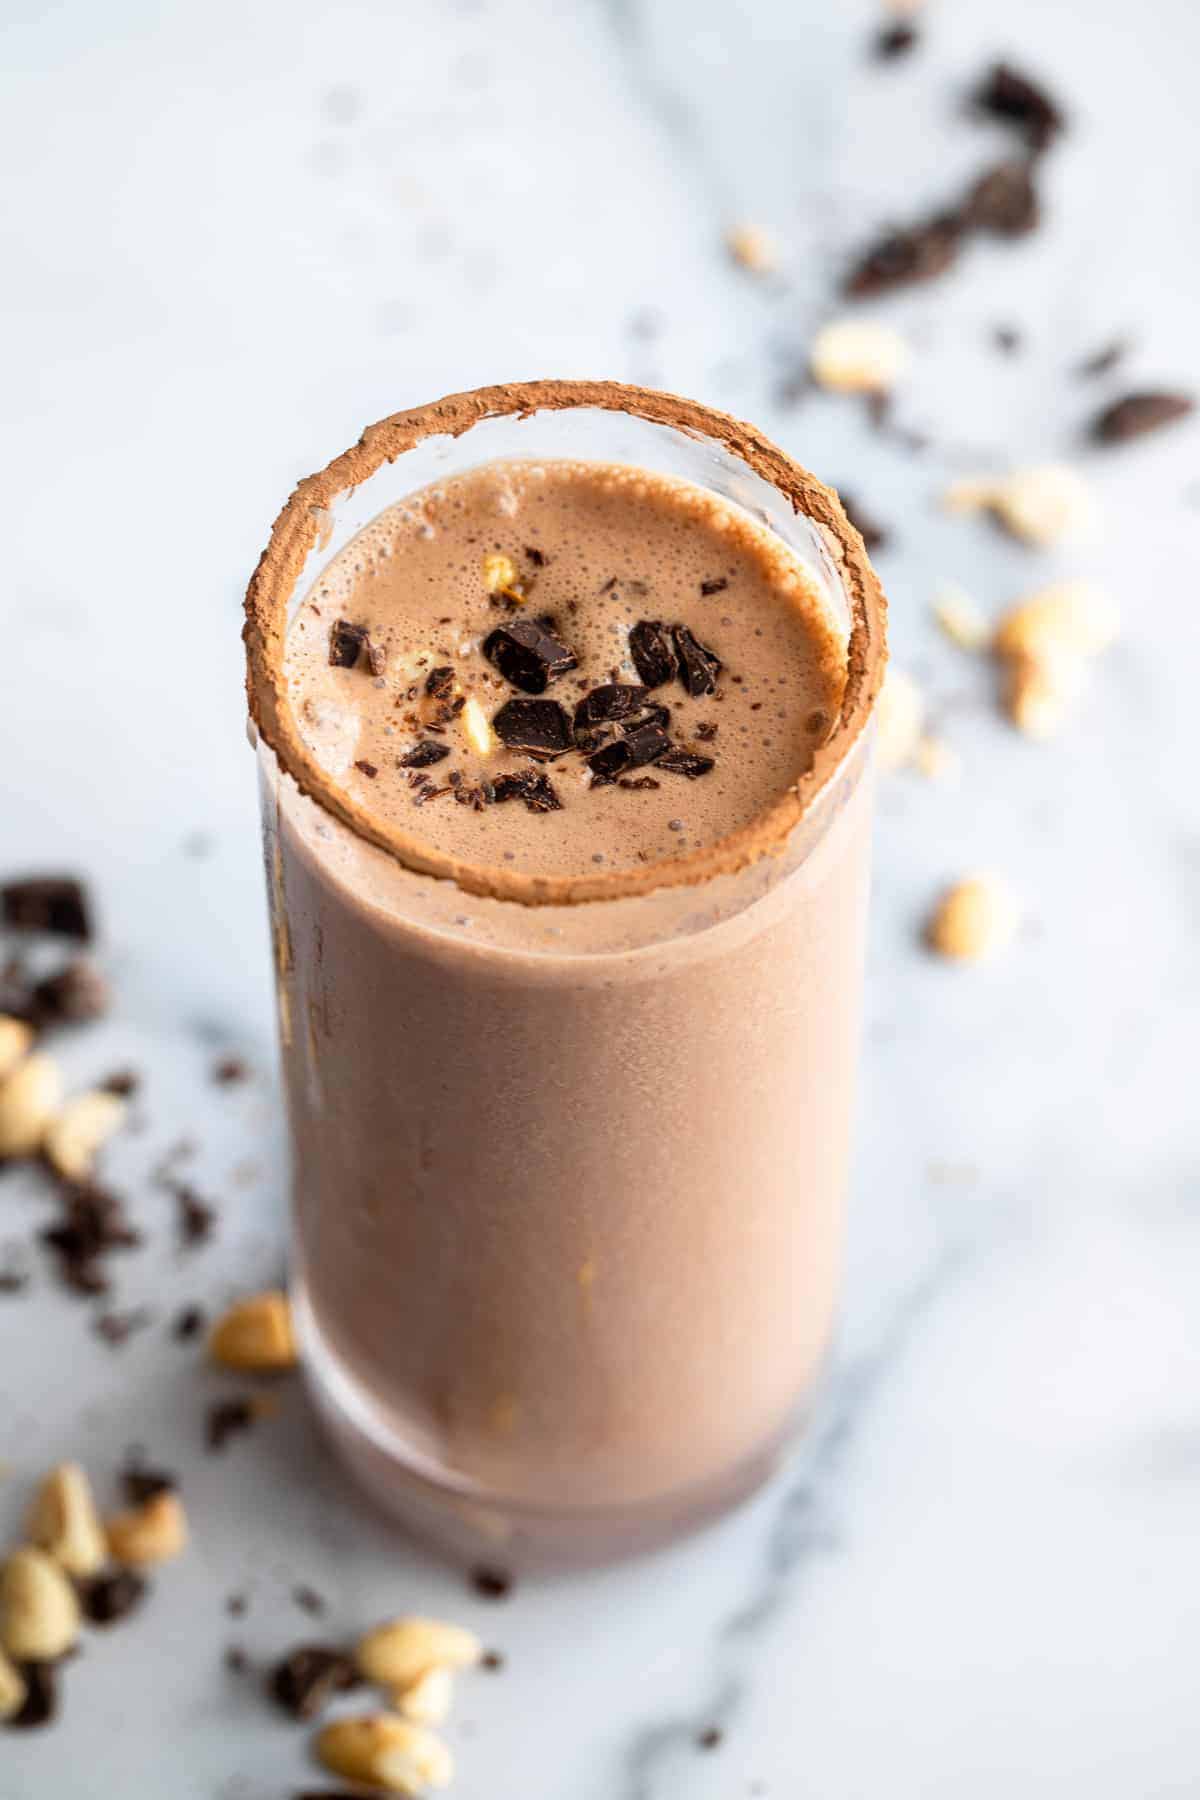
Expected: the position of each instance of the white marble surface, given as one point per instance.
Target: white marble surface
(234, 234)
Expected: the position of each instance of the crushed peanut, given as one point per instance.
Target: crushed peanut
(39, 1614)
(63, 1521)
(389, 1752)
(475, 723)
(752, 248)
(398, 1653)
(973, 919)
(255, 1334)
(899, 713)
(15, 1039)
(29, 1098)
(960, 618)
(499, 572)
(427, 1701)
(12, 1688)
(1069, 617)
(1039, 505)
(1039, 691)
(154, 1532)
(858, 356)
(79, 1130)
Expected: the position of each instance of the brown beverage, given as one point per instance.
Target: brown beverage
(568, 926)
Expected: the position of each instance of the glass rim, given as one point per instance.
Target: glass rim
(304, 520)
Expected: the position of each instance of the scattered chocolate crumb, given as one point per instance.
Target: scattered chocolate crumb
(309, 1677)
(1004, 200)
(893, 41)
(716, 586)
(1138, 414)
(530, 785)
(93, 1222)
(116, 1328)
(236, 1660)
(698, 665)
(1007, 339)
(188, 1324)
(123, 1082)
(1008, 95)
(423, 755)
(237, 1606)
(57, 904)
(346, 644)
(13, 1281)
(528, 655)
(196, 1219)
(491, 1583)
(537, 557)
(226, 1418)
(874, 535)
(107, 1599)
(684, 762)
(308, 1600)
(1103, 361)
(900, 257)
(638, 783)
(40, 1706)
(707, 730)
(541, 728)
(229, 1070)
(652, 652)
(492, 1661)
(710, 1737)
(369, 769)
(73, 996)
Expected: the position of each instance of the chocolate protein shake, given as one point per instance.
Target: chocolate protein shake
(567, 864)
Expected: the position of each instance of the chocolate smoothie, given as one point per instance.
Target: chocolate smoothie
(568, 1171)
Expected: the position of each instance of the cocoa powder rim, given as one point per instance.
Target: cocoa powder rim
(295, 534)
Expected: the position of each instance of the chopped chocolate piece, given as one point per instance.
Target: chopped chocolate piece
(123, 1082)
(196, 1219)
(707, 729)
(638, 783)
(189, 1323)
(308, 1600)
(139, 1484)
(116, 1328)
(644, 744)
(1008, 95)
(528, 655)
(539, 727)
(346, 644)
(716, 586)
(229, 1070)
(873, 534)
(537, 557)
(57, 904)
(307, 1679)
(423, 755)
(93, 1222)
(698, 666)
(492, 1660)
(1007, 339)
(491, 1583)
(892, 41)
(1137, 414)
(226, 1418)
(1103, 361)
(1004, 200)
(530, 785)
(911, 254)
(73, 996)
(685, 762)
(652, 653)
(606, 705)
(709, 1738)
(40, 1706)
(439, 683)
(369, 769)
(107, 1599)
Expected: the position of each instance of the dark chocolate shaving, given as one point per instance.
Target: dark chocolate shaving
(528, 655)
(346, 644)
(607, 705)
(1006, 94)
(369, 769)
(684, 762)
(423, 755)
(439, 683)
(540, 728)
(1138, 414)
(307, 1679)
(57, 904)
(716, 586)
(530, 785)
(107, 1599)
(1004, 200)
(644, 744)
(652, 652)
(537, 557)
(698, 666)
(911, 254)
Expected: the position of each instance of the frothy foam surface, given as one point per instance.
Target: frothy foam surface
(596, 548)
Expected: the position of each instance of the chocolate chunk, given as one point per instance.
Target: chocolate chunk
(539, 727)
(423, 755)
(74, 996)
(684, 762)
(107, 1599)
(116, 1328)
(902, 257)
(369, 769)
(226, 1418)
(306, 1680)
(1008, 95)
(189, 1323)
(40, 1706)
(873, 534)
(1004, 200)
(439, 683)
(716, 586)
(1137, 414)
(645, 744)
(1103, 361)
(346, 644)
(698, 666)
(528, 655)
(57, 904)
(491, 1583)
(652, 653)
(530, 785)
(229, 1070)
(308, 1600)
(607, 705)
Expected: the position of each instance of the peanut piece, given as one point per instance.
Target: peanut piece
(12, 1688)
(154, 1532)
(15, 1038)
(857, 356)
(386, 1751)
(899, 715)
(499, 572)
(752, 248)
(39, 1614)
(973, 919)
(1039, 505)
(76, 1133)
(1040, 690)
(427, 1701)
(1069, 617)
(29, 1098)
(63, 1521)
(255, 1334)
(961, 619)
(398, 1653)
